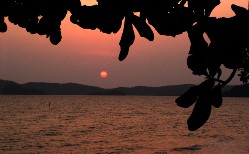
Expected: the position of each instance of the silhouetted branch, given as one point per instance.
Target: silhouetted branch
(229, 78)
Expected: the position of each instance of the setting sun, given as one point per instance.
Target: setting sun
(103, 74)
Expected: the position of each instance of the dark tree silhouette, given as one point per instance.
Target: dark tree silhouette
(228, 36)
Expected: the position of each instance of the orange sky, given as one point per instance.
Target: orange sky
(83, 54)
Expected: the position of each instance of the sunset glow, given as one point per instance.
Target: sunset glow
(82, 53)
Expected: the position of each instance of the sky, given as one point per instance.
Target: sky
(83, 54)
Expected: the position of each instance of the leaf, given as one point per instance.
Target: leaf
(55, 37)
(232, 60)
(200, 114)
(73, 5)
(127, 38)
(188, 98)
(203, 7)
(216, 97)
(210, 6)
(240, 11)
(42, 27)
(170, 22)
(3, 27)
(198, 43)
(197, 63)
(202, 109)
(32, 25)
(110, 21)
(206, 85)
(143, 28)
(88, 17)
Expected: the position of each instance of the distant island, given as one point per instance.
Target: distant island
(43, 88)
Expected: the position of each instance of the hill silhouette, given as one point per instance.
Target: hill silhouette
(64, 89)
(238, 91)
(13, 88)
(43, 88)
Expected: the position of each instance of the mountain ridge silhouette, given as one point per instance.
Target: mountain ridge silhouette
(45, 88)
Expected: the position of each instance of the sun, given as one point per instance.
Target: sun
(103, 74)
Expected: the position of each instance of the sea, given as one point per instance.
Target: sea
(118, 124)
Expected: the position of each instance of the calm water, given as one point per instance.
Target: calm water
(118, 124)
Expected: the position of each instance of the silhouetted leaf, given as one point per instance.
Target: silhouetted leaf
(110, 21)
(206, 85)
(118, 5)
(214, 60)
(3, 26)
(88, 17)
(210, 6)
(216, 97)
(43, 26)
(32, 25)
(202, 8)
(127, 38)
(198, 43)
(197, 63)
(240, 11)
(171, 22)
(118, 23)
(227, 40)
(202, 109)
(232, 61)
(74, 6)
(246, 64)
(13, 19)
(143, 28)
(188, 98)
(200, 114)
(55, 37)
